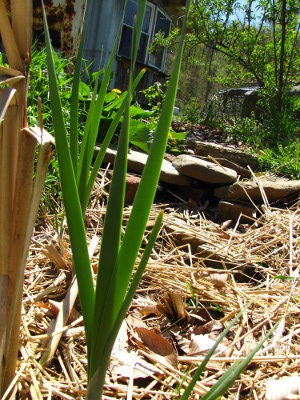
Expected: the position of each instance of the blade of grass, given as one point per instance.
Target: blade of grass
(106, 308)
(99, 375)
(231, 375)
(112, 290)
(71, 199)
(74, 134)
(89, 139)
(147, 188)
(201, 368)
(106, 142)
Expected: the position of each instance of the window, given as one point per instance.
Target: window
(154, 21)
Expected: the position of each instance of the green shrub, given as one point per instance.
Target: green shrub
(279, 121)
(282, 160)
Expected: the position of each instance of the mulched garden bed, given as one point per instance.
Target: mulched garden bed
(199, 277)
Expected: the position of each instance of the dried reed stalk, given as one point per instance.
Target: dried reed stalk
(19, 197)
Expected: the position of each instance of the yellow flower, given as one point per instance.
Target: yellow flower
(117, 91)
(170, 135)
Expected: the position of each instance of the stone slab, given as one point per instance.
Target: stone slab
(234, 210)
(137, 161)
(203, 170)
(237, 156)
(275, 188)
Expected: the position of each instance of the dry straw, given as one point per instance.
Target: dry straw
(19, 197)
(258, 265)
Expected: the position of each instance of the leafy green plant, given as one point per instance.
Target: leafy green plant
(279, 123)
(283, 160)
(103, 309)
(155, 96)
(140, 133)
(190, 111)
(247, 130)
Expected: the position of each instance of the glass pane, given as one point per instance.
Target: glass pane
(142, 48)
(125, 43)
(156, 58)
(131, 10)
(162, 24)
(147, 19)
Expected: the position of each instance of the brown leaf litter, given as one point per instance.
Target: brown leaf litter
(199, 277)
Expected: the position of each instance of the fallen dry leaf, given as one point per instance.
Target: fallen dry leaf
(172, 306)
(159, 345)
(55, 306)
(202, 344)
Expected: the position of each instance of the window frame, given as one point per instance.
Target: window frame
(150, 35)
(164, 57)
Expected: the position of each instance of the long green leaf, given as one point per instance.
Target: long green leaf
(71, 199)
(99, 375)
(231, 375)
(201, 367)
(107, 140)
(74, 96)
(147, 188)
(106, 308)
(89, 141)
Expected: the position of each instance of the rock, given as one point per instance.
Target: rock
(274, 187)
(237, 156)
(137, 161)
(132, 184)
(241, 171)
(204, 171)
(232, 210)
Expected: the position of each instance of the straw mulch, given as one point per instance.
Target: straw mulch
(181, 306)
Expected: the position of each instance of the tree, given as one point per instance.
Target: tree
(262, 37)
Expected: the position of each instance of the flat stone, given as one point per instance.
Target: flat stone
(241, 171)
(137, 161)
(275, 188)
(234, 210)
(204, 171)
(237, 156)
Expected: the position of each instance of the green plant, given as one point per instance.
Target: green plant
(233, 372)
(248, 130)
(39, 88)
(140, 132)
(103, 309)
(282, 160)
(155, 96)
(190, 111)
(279, 124)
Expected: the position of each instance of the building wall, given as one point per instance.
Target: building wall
(102, 31)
